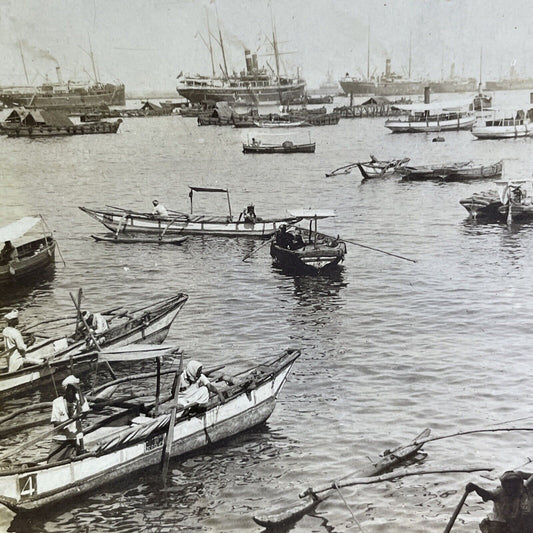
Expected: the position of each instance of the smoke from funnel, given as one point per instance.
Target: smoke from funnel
(37, 52)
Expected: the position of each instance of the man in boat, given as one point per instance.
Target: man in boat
(159, 209)
(195, 386)
(248, 214)
(513, 504)
(255, 142)
(8, 253)
(14, 344)
(96, 322)
(284, 239)
(68, 441)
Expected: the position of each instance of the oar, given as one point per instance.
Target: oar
(248, 255)
(169, 437)
(378, 250)
(455, 514)
(345, 167)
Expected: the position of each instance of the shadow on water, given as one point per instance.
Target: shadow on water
(27, 289)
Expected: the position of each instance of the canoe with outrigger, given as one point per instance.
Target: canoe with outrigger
(54, 356)
(374, 168)
(125, 221)
(137, 435)
(24, 254)
(302, 250)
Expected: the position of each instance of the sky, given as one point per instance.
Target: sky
(147, 43)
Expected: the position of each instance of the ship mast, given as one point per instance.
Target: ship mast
(368, 55)
(92, 61)
(221, 42)
(24, 63)
(410, 52)
(210, 44)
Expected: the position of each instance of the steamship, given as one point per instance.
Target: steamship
(68, 96)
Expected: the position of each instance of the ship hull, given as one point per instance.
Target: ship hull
(244, 95)
(404, 88)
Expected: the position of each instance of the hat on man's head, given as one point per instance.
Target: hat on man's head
(70, 380)
(155, 202)
(12, 315)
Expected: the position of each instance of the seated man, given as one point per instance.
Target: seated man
(15, 344)
(8, 253)
(248, 214)
(195, 386)
(284, 239)
(159, 209)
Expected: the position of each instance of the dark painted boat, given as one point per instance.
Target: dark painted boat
(462, 171)
(287, 147)
(140, 239)
(134, 437)
(33, 255)
(380, 169)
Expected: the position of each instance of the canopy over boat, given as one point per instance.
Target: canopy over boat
(207, 189)
(312, 213)
(136, 352)
(18, 228)
(451, 105)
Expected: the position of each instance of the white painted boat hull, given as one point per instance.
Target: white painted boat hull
(406, 126)
(502, 132)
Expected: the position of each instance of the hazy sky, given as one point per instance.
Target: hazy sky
(146, 43)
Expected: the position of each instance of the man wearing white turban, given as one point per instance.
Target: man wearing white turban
(195, 386)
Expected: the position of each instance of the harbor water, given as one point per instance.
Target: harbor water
(389, 347)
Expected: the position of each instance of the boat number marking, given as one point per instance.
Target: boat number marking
(154, 442)
(27, 485)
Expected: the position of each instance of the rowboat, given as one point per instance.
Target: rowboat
(306, 251)
(511, 202)
(380, 169)
(287, 147)
(127, 442)
(121, 221)
(281, 124)
(150, 323)
(438, 116)
(141, 239)
(460, 171)
(503, 124)
(33, 255)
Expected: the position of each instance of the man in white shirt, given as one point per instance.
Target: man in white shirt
(13, 341)
(159, 209)
(68, 441)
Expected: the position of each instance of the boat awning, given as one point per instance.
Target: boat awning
(135, 352)
(451, 105)
(17, 229)
(207, 189)
(312, 213)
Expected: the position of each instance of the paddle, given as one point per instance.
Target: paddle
(169, 437)
(455, 514)
(378, 250)
(248, 255)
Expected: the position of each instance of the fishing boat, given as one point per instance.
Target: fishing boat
(137, 436)
(150, 323)
(459, 171)
(503, 124)
(140, 239)
(434, 117)
(123, 221)
(380, 169)
(281, 123)
(306, 251)
(512, 201)
(286, 147)
(30, 255)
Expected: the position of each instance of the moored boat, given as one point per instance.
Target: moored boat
(122, 221)
(148, 324)
(286, 147)
(503, 124)
(28, 255)
(129, 442)
(435, 117)
(138, 239)
(306, 251)
(459, 171)
(380, 169)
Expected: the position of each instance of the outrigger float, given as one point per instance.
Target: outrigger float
(150, 323)
(122, 221)
(33, 255)
(139, 435)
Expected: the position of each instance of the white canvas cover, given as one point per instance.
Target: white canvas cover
(135, 352)
(312, 213)
(17, 229)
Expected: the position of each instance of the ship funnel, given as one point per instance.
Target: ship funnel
(59, 77)
(427, 93)
(248, 61)
(452, 71)
(387, 68)
(255, 65)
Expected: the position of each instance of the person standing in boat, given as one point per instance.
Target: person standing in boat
(513, 504)
(68, 441)
(9, 253)
(159, 209)
(195, 386)
(14, 342)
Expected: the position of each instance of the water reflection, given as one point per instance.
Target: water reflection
(26, 290)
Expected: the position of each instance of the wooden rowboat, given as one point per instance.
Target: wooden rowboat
(380, 169)
(287, 147)
(133, 239)
(33, 255)
(126, 442)
(125, 221)
(462, 171)
(151, 323)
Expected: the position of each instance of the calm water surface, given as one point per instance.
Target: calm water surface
(388, 347)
